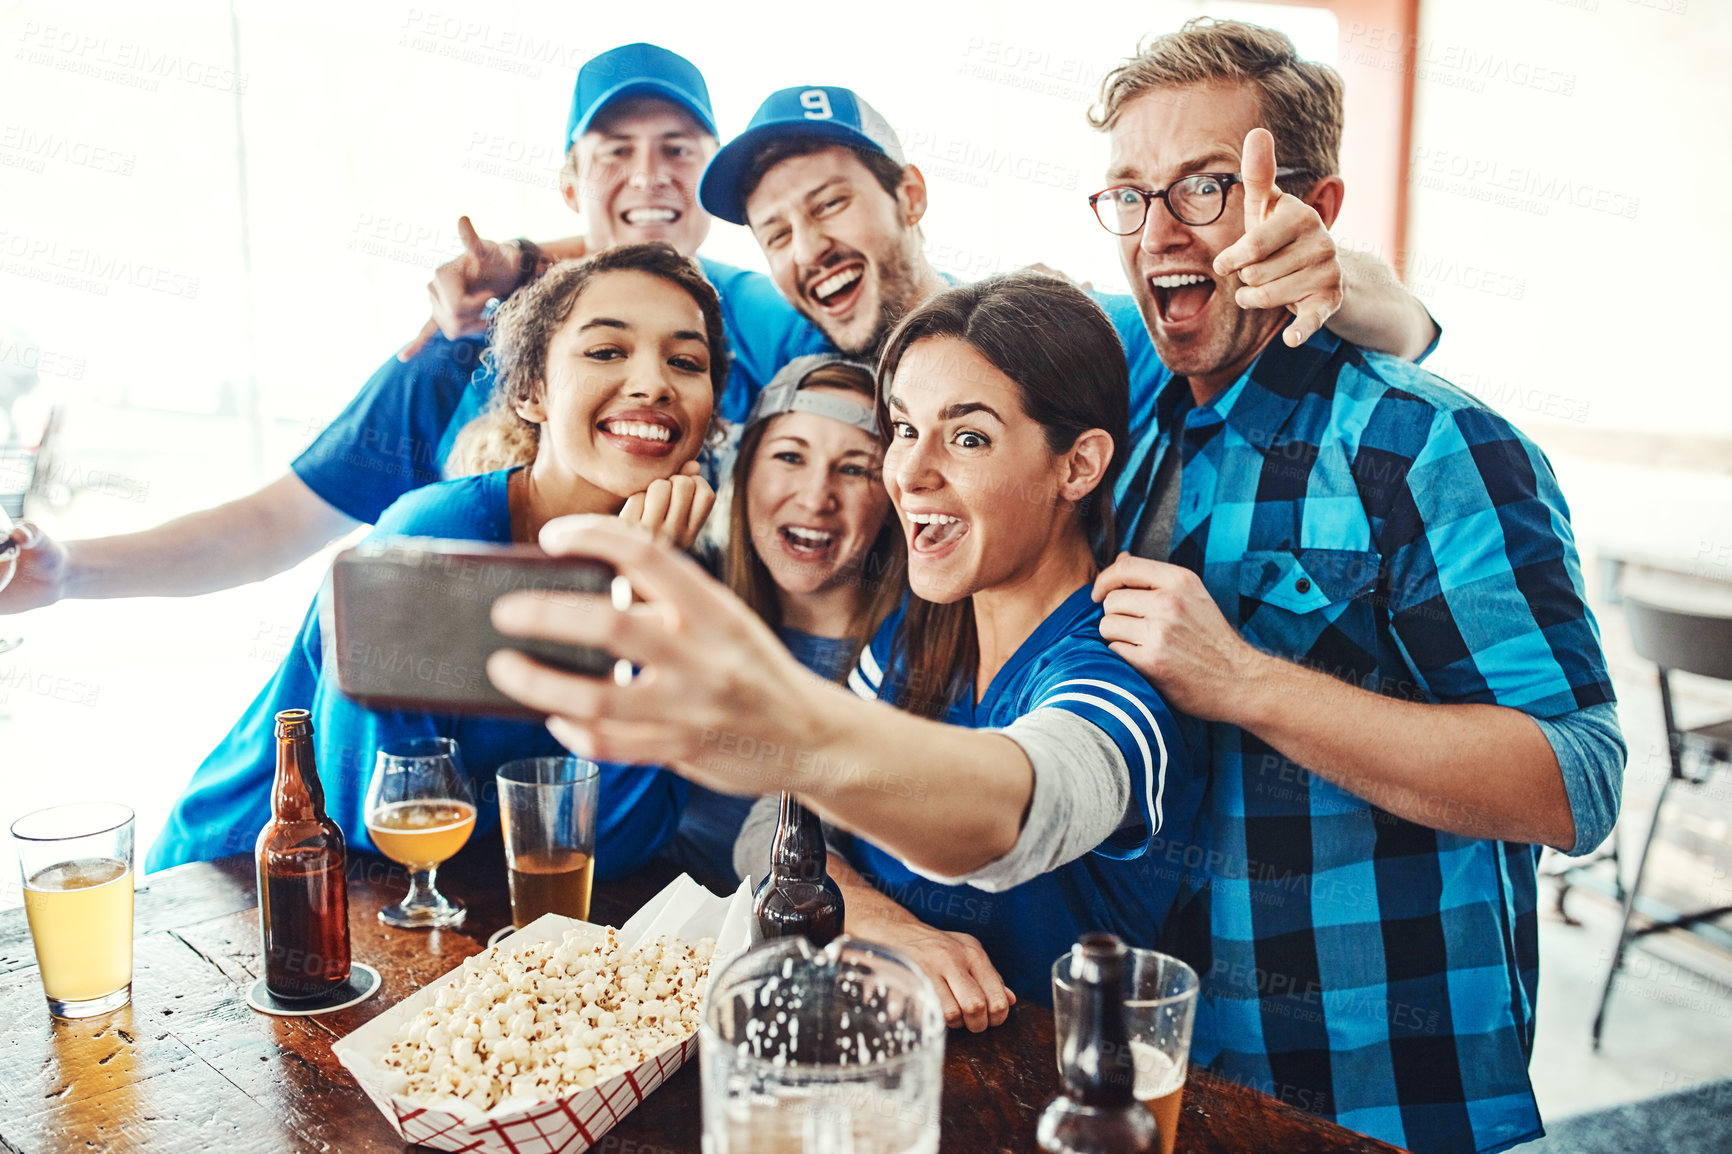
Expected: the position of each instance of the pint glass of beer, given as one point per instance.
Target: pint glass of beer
(77, 866)
(547, 810)
(1160, 1004)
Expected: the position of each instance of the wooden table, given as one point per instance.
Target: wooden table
(189, 1067)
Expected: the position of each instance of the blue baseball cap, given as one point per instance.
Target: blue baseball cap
(815, 110)
(637, 70)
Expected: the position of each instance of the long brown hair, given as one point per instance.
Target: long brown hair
(883, 571)
(1065, 358)
(498, 438)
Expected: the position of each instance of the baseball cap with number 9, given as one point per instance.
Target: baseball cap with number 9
(813, 110)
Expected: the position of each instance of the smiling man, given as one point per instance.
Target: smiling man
(820, 178)
(638, 134)
(1366, 581)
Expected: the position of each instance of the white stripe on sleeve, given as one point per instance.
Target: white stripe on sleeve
(870, 667)
(1154, 781)
(859, 686)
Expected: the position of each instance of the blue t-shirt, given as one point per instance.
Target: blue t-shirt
(703, 846)
(1124, 886)
(228, 799)
(388, 440)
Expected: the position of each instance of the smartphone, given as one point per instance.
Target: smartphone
(408, 621)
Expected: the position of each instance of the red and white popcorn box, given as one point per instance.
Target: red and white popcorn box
(571, 1123)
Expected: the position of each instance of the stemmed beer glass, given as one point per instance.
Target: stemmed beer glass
(420, 811)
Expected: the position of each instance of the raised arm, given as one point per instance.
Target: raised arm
(722, 702)
(248, 539)
(462, 286)
(1377, 311)
(1288, 259)
(1477, 770)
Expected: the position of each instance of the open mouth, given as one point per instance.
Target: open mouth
(836, 291)
(641, 433)
(935, 532)
(1180, 297)
(807, 544)
(641, 217)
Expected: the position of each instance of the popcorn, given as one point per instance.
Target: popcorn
(550, 1019)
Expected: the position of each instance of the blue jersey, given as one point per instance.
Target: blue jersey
(1125, 886)
(228, 800)
(387, 442)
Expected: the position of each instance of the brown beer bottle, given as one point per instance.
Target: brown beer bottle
(303, 896)
(1097, 1112)
(797, 896)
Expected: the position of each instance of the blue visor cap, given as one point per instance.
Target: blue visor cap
(637, 70)
(832, 113)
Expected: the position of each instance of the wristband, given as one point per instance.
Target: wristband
(528, 260)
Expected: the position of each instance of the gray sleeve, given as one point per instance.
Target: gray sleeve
(1082, 794)
(757, 832)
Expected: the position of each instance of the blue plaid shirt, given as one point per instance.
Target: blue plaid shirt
(1353, 512)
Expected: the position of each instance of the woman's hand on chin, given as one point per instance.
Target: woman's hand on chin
(714, 687)
(672, 509)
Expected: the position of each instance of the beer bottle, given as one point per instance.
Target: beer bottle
(1097, 1111)
(797, 896)
(303, 896)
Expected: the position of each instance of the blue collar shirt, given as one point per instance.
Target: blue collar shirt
(1355, 513)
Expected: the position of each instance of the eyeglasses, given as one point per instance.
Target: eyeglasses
(1194, 200)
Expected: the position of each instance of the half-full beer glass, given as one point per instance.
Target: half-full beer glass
(1160, 1004)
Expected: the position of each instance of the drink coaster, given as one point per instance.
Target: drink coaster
(500, 934)
(363, 983)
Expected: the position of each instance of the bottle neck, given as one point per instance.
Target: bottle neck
(297, 794)
(1098, 1067)
(798, 853)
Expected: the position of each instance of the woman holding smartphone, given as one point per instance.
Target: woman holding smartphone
(1026, 759)
(812, 548)
(611, 367)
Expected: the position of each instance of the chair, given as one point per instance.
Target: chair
(1674, 639)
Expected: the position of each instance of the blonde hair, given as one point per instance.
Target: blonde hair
(1300, 100)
